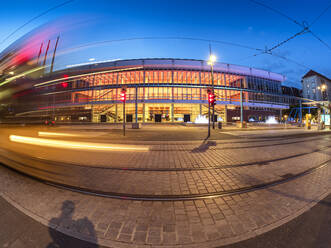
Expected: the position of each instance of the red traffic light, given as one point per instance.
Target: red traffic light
(123, 95)
(211, 99)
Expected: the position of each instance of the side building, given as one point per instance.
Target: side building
(316, 86)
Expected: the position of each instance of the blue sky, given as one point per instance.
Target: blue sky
(238, 21)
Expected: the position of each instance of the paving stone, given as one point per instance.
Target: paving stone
(140, 237)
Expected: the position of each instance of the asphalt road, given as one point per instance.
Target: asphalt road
(310, 230)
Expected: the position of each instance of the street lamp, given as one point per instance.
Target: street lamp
(322, 88)
(211, 61)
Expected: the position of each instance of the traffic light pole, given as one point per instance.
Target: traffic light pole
(124, 118)
(212, 82)
(208, 120)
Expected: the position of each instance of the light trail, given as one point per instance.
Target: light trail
(21, 75)
(75, 144)
(50, 134)
(85, 74)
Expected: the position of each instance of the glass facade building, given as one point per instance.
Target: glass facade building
(158, 90)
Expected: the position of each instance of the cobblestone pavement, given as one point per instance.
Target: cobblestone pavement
(193, 223)
(170, 168)
(174, 169)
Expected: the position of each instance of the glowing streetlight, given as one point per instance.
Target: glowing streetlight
(212, 59)
(323, 87)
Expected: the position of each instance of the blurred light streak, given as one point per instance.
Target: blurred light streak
(48, 134)
(86, 74)
(92, 63)
(75, 144)
(21, 75)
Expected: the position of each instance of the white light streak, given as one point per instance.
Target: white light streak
(75, 144)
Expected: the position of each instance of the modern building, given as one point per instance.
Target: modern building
(316, 86)
(158, 90)
(294, 92)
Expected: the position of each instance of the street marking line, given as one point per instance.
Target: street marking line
(74, 144)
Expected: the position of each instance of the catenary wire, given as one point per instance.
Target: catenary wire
(34, 18)
(320, 15)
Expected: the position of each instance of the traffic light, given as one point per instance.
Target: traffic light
(211, 97)
(65, 84)
(123, 95)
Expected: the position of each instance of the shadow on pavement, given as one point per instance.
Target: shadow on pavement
(83, 226)
(204, 146)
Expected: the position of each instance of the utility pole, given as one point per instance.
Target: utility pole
(212, 82)
(211, 102)
(123, 99)
(241, 109)
(300, 113)
(208, 120)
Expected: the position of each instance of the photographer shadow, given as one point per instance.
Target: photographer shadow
(83, 226)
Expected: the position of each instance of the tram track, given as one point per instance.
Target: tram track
(142, 197)
(158, 169)
(146, 197)
(241, 147)
(54, 178)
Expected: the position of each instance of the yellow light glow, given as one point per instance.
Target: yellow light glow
(324, 87)
(212, 59)
(47, 134)
(75, 144)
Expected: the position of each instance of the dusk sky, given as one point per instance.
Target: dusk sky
(242, 22)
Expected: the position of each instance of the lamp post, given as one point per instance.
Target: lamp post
(211, 62)
(323, 89)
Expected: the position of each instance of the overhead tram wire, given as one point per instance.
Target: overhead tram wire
(268, 51)
(277, 11)
(290, 60)
(323, 42)
(162, 38)
(314, 21)
(322, 13)
(306, 28)
(34, 18)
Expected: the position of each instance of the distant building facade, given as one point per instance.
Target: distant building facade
(295, 94)
(316, 86)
